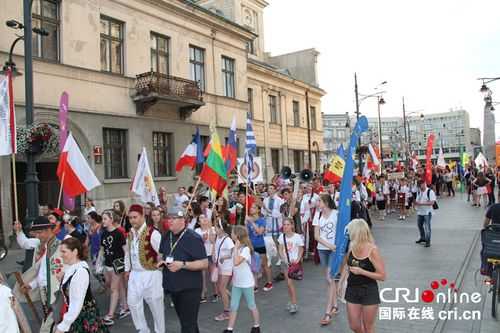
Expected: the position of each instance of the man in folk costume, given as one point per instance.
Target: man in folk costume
(40, 280)
(271, 210)
(144, 279)
(307, 211)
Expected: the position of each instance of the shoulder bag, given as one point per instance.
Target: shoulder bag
(295, 271)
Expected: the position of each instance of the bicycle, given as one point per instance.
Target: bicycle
(490, 237)
(495, 286)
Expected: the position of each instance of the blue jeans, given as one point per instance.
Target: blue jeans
(424, 227)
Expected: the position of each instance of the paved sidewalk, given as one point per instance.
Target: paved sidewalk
(408, 265)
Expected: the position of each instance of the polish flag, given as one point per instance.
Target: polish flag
(188, 158)
(73, 170)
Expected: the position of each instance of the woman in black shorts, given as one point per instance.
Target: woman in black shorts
(366, 267)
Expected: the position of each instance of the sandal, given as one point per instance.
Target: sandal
(326, 320)
(334, 311)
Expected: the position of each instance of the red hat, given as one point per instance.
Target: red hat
(136, 208)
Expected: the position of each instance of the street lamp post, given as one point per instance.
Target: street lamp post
(380, 101)
(360, 170)
(489, 118)
(31, 179)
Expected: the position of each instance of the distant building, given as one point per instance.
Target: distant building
(451, 130)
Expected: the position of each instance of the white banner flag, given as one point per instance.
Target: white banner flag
(143, 184)
(7, 118)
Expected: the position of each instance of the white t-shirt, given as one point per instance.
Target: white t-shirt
(208, 244)
(406, 191)
(293, 244)
(327, 228)
(242, 274)
(422, 198)
(180, 199)
(226, 245)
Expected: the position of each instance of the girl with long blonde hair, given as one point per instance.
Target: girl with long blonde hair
(365, 268)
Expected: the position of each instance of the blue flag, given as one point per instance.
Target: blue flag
(344, 216)
(199, 149)
(340, 151)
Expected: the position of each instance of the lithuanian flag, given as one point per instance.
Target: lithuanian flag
(214, 170)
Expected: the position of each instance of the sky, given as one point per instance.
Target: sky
(429, 51)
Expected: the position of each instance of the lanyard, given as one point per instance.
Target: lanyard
(172, 247)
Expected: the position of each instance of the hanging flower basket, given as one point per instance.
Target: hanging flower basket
(38, 139)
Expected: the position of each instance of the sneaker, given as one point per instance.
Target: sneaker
(123, 313)
(255, 289)
(108, 321)
(227, 331)
(400, 217)
(404, 217)
(420, 241)
(172, 304)
(255, 330)
(288, 305)
(293, 308)
(203, 300)
(215, 298)
(428, 244)
(223, 316)
(268, 286)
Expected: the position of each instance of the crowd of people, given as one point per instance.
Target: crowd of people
(197, 248)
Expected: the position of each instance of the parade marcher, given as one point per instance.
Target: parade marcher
(291, 251)
(243, 281)
(207, 233)
(75, 229)
(293, 212)
(205, 207)
(120, 209)
(366, 267)
(403, 197)
(481, 183)
(325, 224)
(448, 179)
(238, 211)
(308, 207)
(180, 197)
(223, 251)
(163, 198)
(89, 207)
(158, 222)
(95, 231)
(425, 200)
(144, 279)
(113, 256)
(40, 280)
(256, 230)
(183, 260)
(82, 314)
(271, 212)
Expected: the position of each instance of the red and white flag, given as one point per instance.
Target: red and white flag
(188, 157)
(7, 117)
(143, 184)
(73, 167)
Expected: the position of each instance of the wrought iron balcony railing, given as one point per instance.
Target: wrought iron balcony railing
(167, 85)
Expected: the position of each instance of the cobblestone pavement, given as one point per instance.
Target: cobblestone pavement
(454, 256)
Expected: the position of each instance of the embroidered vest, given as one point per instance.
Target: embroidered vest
(148, 257)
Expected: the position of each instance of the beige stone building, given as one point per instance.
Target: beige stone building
(147, 73)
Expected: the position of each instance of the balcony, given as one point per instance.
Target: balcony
(156, 88)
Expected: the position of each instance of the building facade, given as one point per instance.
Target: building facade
(147, 73)
(337, 131)
(451, 130)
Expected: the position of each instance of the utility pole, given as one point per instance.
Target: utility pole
(308, 131)
(357, 119)
(407, 154)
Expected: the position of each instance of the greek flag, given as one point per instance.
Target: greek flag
(250, 148)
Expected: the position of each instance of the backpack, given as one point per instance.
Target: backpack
(434, 205)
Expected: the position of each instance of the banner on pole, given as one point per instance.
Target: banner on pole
(256, 175)
(7, 117)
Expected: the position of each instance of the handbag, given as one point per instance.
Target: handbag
(295, 271)
(214, 276)
(119, 265)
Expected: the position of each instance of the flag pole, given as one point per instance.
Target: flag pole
(16, 208)
(61, 190)
(194, 191)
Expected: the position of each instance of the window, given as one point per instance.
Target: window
(111, 45)
(275, 160)
(115, 153)
(250, 102)
(46, 16)
(162, 154)
(273, 109)
(197, 65)
(341, 134)
(228, 77)
(313, 118)
(159, 53)
(298, 160)
(296, 114)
